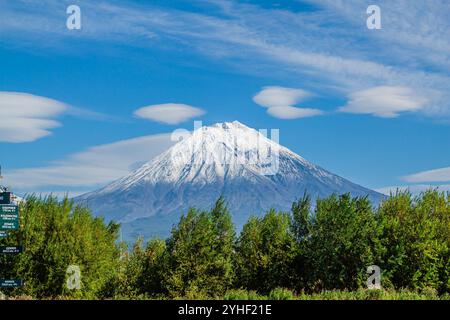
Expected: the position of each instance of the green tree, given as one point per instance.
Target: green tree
(152, 277)
(223, 244)
(301, 218)
(55, 235)
(265, 253)
(301, 224)
(343, 242)
(199, 253)
(416, 235)
(140, 272)
(128, 282)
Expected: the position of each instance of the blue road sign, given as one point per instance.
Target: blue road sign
(5, 197)
(11, 249)
(10, 283)
(9, 217)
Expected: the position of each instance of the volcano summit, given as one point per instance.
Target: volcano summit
(252, 172)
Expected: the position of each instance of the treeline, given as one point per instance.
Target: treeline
(56, 235)
(306, 250)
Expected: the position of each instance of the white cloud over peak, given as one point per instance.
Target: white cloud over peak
(25, 117)
(279, 96)
(414, 188)
(169, 113)
(421, 181)
(91, 168)
(436, 175)
(318, 48)
(384, 101)
(280, 102)
(293, 112)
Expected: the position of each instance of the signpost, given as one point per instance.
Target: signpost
(9, 221)
(5, 197)
(10, 283)
(11, 249)
(9, 217)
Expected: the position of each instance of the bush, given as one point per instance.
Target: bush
(364, 294)
(241, 294)
(416, 235)
(199, 253)
(265, 253)
(56, 235)
(343, 241)
(324, 253)
(281, 294)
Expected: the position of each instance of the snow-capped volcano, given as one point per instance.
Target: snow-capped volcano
(253, 172)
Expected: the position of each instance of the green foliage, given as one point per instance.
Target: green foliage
(301, 218)
(364, 294)
(199, 253)
(301, 224)
(141, 271)
(281, 294)
(131, 268)
(343, 241)
(56, 235)
(416, 235)
(153, 269)
(322, 254)
(241, 294)
(265, 252)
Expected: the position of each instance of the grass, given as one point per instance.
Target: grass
(362, 294)
(286, 294)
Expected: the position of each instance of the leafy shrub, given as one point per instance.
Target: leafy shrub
(199, 253)
(324, 254)
(241, 294)
(56, 235)
(265, 253)
(281, 294)
(416, 235)
(343, 241)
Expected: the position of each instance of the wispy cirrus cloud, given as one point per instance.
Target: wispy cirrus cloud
(325, 48)
(422, 181)
(414, 188)
(169, 113)
(288, 112)
(87, 114)
(384, 101)
(416, 27)
(90, 168)
(280, 102)
(273, 96)
(435, 175)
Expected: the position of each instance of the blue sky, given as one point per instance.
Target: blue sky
(79, 108)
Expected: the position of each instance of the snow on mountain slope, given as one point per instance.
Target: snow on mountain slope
(253, 172)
